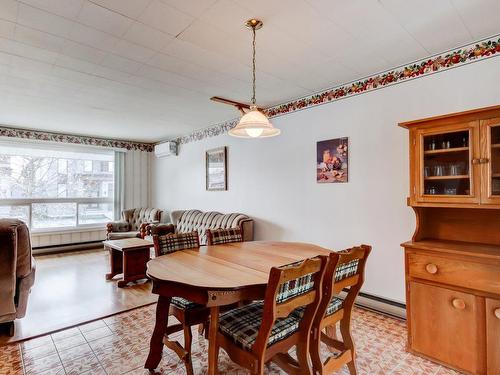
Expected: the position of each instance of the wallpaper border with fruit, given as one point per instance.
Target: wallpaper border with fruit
(471, 53)
(74, 139)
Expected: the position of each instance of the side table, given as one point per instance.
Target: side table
(128, 256)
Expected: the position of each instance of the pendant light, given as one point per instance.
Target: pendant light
(254, 123)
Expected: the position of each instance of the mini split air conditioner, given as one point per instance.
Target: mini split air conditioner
(162, 150)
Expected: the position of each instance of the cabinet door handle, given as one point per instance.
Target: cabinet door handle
(476, 161)
(458, 303)
(484, 160)
(497, 313)
(431, 268)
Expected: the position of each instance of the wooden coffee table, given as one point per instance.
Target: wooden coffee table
(128, 256)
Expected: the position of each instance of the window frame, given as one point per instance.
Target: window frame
(28, 202)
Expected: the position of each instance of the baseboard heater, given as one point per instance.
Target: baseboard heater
(381, 305)
(66, 247)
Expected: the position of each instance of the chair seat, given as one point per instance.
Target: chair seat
(184, 304)
(242, 325)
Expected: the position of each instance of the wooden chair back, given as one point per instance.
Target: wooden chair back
(290, 287)
(345, 271)
(222, 236)
(172, 242)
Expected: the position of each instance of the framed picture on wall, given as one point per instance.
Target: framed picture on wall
(332, 160)
(216, 168)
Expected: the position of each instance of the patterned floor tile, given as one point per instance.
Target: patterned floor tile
(49, 364)
(70, 342)
(71, 354)
(81, 365)
(97, 333)
(92, 325)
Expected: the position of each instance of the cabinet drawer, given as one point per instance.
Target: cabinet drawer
(479, 276)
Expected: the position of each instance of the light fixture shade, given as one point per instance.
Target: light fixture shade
(254, 124)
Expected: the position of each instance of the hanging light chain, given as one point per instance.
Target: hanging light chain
(253, 66)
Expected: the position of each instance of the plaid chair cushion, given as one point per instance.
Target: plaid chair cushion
(335, 305)
(171, 242)
(183, 303)
(221, 236)
(243, 323)
(294, 288)
(346, 270)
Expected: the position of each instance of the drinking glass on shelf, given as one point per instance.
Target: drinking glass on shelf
(438, 170)
(431, 190)
(455, 169)
(450, 191)
(427, 171)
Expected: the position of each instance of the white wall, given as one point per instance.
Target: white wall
(274, 180)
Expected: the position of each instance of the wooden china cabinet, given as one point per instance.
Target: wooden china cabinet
(453, 260)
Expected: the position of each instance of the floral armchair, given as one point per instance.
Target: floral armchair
(133, 224)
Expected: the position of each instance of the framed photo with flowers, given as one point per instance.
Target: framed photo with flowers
(216, 168)
(332, 160)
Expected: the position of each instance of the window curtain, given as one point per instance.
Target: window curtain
(119, 199)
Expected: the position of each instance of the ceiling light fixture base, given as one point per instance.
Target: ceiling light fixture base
(254, 23)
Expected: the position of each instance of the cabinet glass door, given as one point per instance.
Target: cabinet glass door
(446, 164)
(490, 162)
(495, 160)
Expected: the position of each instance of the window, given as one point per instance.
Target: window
(56, 188)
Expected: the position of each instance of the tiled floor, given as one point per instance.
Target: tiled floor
(119, 345)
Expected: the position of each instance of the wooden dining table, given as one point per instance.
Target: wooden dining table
(216, 276)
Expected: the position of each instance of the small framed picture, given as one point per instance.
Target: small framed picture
(332, 161)
(216, 169)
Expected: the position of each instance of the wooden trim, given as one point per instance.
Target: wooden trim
(453, 118)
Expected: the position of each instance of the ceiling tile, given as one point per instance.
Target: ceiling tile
(147, 36)
(165, 18)
(38, 39)
(209, 38)
(75, 64)
(129, 8)
(103, 19)
(71, 75)
(92, 37)
(80, 51)
(113, 74)
(480, 16)
(8, 10)
(133, 51)
(20, 49)
(452, 31)
(64, 8)
(193, 8)
(7, 29)
(120, 63)
(44, 21)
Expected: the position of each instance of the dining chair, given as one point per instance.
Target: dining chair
(186, 312)
(221, 236)
(345, 270)
(254, 334)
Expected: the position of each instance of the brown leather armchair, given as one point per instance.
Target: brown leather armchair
(17, 271)
(133, 224)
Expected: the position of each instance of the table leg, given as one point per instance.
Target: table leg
(156, 343)
(134, 265)
(213, 349)
(115, 263)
